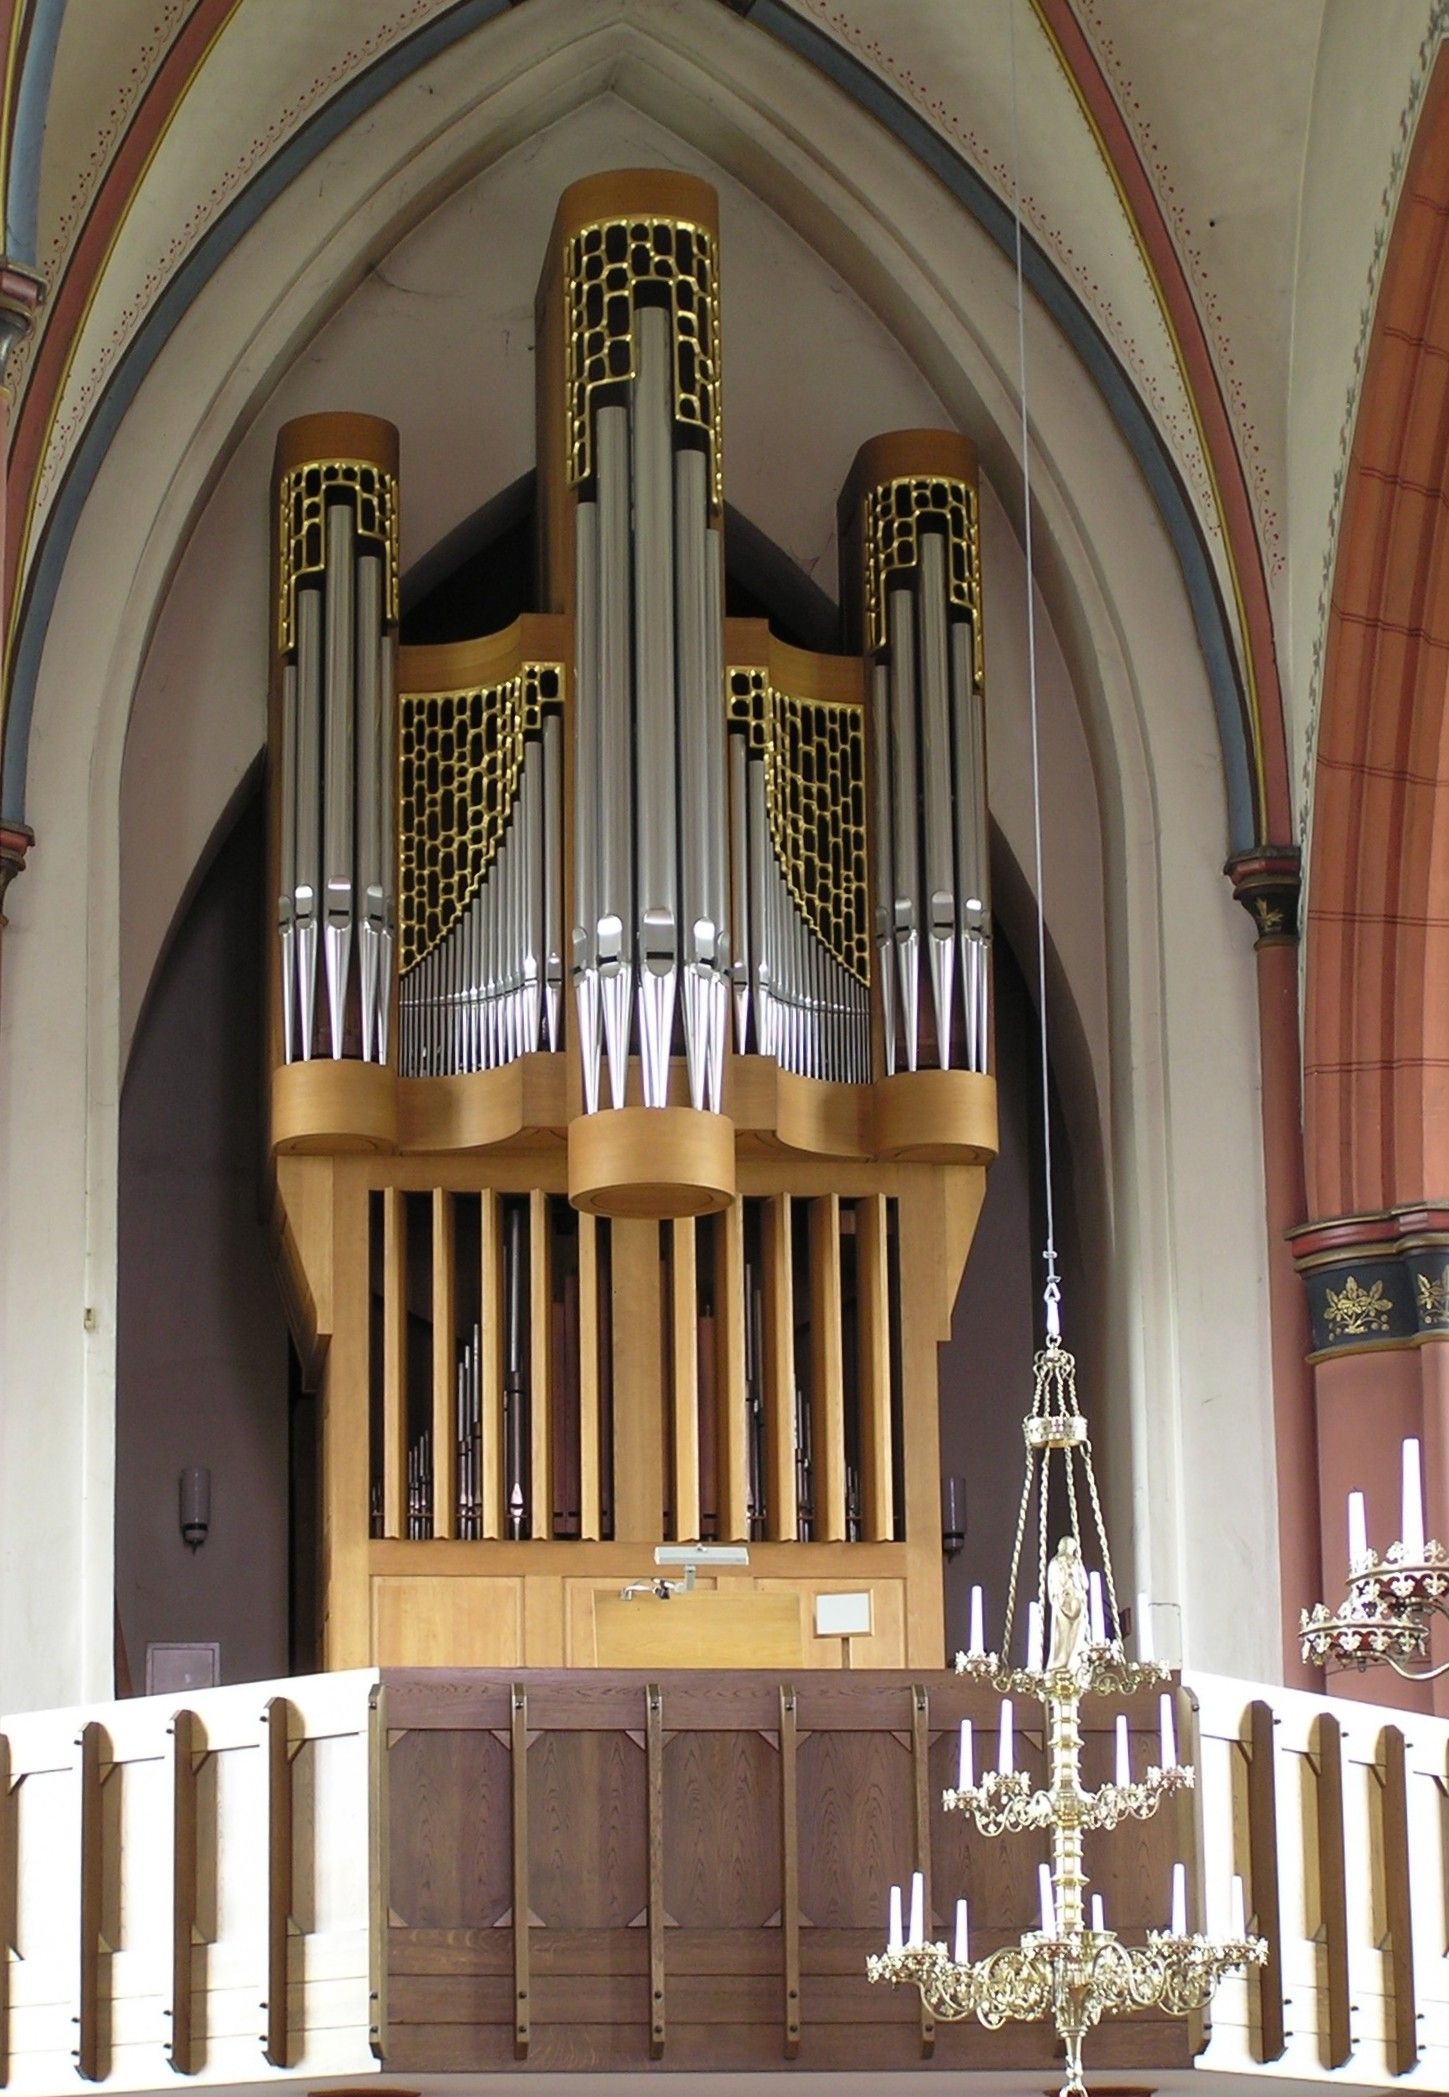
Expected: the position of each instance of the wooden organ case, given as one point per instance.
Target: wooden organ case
(630, 1096)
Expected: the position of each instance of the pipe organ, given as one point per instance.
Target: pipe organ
(631, 1095)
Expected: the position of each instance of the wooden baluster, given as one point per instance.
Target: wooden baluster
(90, 1744)
(519, 1771)
(1398, 1897)
(654, 1776)
(684, 1381)
(277, 1772)
(445, 1366)
(1332, 1885)
(877, 1456)
(188, 1744)
(781, 1482)
(394, 1362)
(734, 1418)
(638, 1380)
(827, 1377)
(490, 1367)
(540, 1366)
(790, 1865)
(590, 1478)
(1263, 1864)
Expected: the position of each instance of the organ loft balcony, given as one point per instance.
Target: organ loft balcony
(417, 1877)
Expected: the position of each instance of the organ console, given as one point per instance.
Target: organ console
(631, 1095)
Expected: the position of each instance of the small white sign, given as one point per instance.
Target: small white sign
(842, 1616)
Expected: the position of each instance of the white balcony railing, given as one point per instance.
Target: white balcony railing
(198, 1889)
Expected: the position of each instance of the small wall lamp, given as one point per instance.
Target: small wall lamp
(195, 1506)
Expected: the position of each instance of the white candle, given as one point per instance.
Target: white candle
(962, 1953)
(1096, 1609)
(1048, 1900)
(1179, 1900)
(1099, 1914)
(1237, 1911)
(966, 1773)
(895, 1934)
(1357, 1529)
(1004, 1761)
(1033, 1638)
(1411, 1523)
(1168, 1756)
(918, 1907)
(977, 1641)
(1144, 1628)
(1124, 1754)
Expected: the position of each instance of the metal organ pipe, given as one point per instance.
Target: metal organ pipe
(339, 640)
(588, 782)
(336, 884)
(656, 810)
(308, 813)
(613, 783)
(905, 828)
(938, 855)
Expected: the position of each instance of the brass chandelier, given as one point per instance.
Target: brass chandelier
(1072, 1970)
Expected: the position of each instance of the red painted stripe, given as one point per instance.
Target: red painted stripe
(1239, 522)
(67, 300)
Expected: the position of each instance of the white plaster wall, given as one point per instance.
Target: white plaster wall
(1190, 1392)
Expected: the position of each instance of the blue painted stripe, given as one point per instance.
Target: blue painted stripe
(856, 80)
(1122, 399)
(172, 304)
(27, 140)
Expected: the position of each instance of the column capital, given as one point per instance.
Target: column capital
(15, 842)
(22, 292)
(1379, 1280)
(1267, 882)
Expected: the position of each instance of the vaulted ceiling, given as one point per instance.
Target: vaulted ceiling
(1204, 192)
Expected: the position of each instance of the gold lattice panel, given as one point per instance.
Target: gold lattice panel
(894, 514)
(605, 266)
(301, 528)
(460, 756)
(814, 755)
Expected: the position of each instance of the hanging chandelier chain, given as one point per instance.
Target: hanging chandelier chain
(1052, 1289)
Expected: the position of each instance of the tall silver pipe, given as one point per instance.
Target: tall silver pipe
(308, 882)
(740, 903)
(700, 787)
(907, 877)
(492, 941)
(535, 913)
(588, 785)
(339, 642)
(387, 834)
(717, 888)
(760, 859)
(614, 783)
(883, 860)
(287, 864)
(938, 856)
(972, 844)
(656, 811)
(372, 777)
(552, 847)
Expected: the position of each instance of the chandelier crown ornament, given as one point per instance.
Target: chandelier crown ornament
(1390, 1601)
